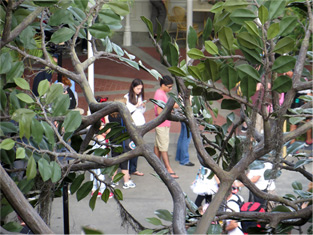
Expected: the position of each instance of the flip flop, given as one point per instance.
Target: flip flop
(174, 175)
(138, 173)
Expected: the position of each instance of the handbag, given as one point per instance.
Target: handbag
(202, 185)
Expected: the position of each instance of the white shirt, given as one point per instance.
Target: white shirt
(262, 183)
(137, 112)
(233, 207)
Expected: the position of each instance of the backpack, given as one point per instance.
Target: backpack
(251, 207)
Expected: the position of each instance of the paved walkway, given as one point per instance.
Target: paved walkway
(113, 80)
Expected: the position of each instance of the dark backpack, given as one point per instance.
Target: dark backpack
(251, 207)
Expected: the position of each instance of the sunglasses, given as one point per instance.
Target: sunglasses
(169, 86)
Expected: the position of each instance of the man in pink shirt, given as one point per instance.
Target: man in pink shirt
(162, 132)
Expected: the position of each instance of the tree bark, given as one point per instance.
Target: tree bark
(20, 204)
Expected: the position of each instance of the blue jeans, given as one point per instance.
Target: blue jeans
(182, 154)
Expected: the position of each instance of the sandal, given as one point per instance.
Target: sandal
(174, 175)
(138, 173)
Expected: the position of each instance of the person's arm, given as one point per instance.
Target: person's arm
(232, 225)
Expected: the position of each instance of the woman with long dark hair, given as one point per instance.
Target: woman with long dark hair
(136, 106)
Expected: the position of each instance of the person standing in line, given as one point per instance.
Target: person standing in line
(158, 12)
(100, 138)
(182, 154)
(256, 176)
(136, 105)
(128, 183)
(162, 132)
(232, 227)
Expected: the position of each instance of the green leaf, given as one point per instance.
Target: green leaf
(239, 16)
(8, 127)
(118, 193)
(24, 118)
(282, 84)
(3, 100)
(31, 170)
(120, 8)
(281, 208)
(43, 87)
(229, 77)
(44, 169)
(56, 172)
(72, 121)
(154, 221)
(296, 120)
(20, 153)
(248, 86)
(76, 183)
(22, 83)
(230, 104)
(287, 25)
(93, 199)
(100, 30)
(276, 8)
(61, 105)
(36, 130)
(146, 231)
(207, 29)
(54, 92)
(211, 47)
(226, 37)
(252, 28)
(247, 40)
(177, 71)
(263, 14)
(248, 70)
(164, 214)
(173, 55)
(5, 62)
(218, 7)
(17, 70)
(81, 4)
(297, 185)
(48, 132)
(25, 98)
(61, 16)
(211, 70)
(62, 35)
(148, 24)
(105, 195)
(284, 64)
(252, 55)
(284, 45)
(192, 37)
(273, 31)
(7, 144)
(45, 3)
(194, 72)
(302, 162)
(84, 190)
(88, 230)
(231, 5)
(195, 54)
(14, 227)
(118, 177)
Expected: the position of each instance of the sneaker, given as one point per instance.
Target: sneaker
(129, 184)
(114, 184)
(244, 129)
(189, 164)
(111, 195)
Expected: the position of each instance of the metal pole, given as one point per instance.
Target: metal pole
(189, 23)
(66, 222)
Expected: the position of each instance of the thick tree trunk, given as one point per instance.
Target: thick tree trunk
(21, 205)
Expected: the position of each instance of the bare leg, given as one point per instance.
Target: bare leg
(157, 152)
(126, 175)
(166, 162)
